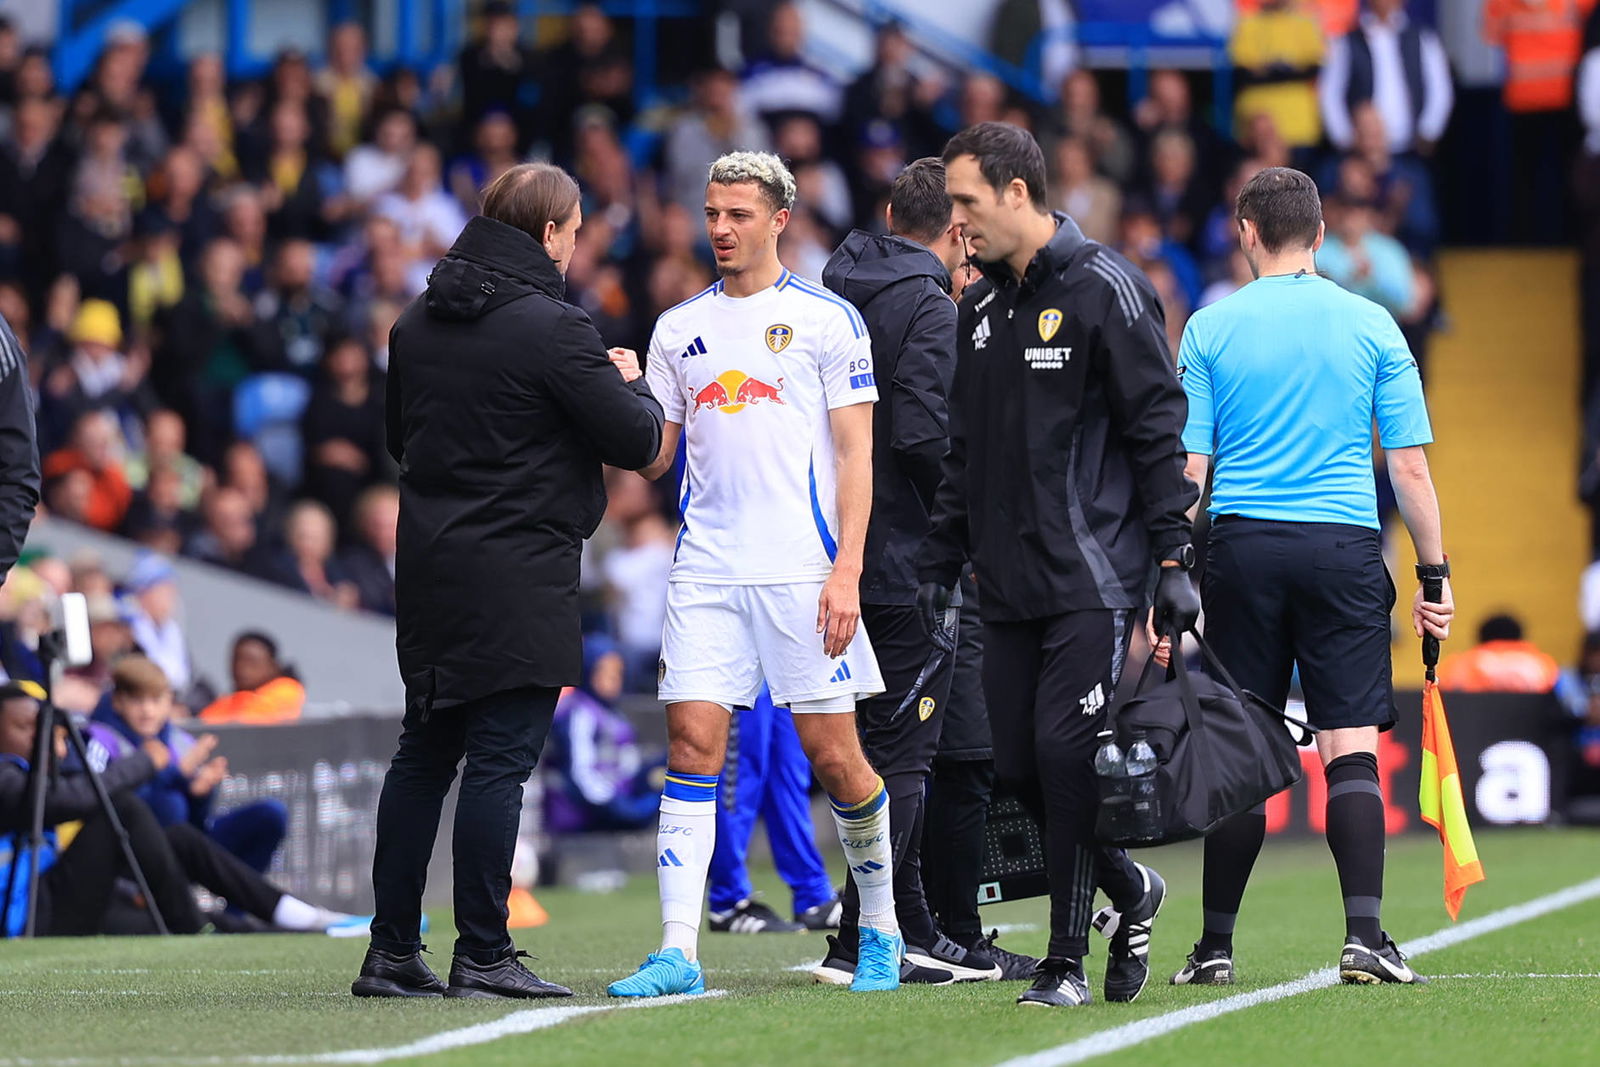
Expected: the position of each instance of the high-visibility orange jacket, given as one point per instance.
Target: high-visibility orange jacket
(1543, 41)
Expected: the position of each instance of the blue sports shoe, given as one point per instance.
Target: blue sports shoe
(662, 974)
(878, 961)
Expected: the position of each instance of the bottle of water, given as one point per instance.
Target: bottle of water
(1111, 771)
(1145, 804)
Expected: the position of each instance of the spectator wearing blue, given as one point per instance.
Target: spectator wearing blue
(767, 776)
(1366, 261)
(152, 589)
(139, 709)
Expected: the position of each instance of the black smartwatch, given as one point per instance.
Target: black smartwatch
(1427, 571)
(1183, 557)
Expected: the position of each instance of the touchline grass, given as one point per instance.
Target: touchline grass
(1526, 993)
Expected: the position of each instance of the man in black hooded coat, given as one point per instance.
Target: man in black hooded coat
(503, 403)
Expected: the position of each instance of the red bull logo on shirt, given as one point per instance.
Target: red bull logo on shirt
(733, 391)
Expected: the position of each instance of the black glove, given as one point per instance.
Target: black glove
(1177, 604)
(933, 600)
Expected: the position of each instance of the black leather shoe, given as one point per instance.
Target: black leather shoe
(385, 974)
(505, 977)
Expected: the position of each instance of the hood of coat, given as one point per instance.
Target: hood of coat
(490, 264)
(868, 263)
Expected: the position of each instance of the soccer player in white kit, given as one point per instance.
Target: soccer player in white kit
(768, 378)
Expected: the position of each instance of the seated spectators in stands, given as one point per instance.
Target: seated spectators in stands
(1277, 51)
(244, 469)
(244, 218)
(781, 81)
(96, 450)
(1501, 662)
(1239, 275)
(635, 573)
(494, 151)
(594, 773)
(158, 519)
(228, 537)
(155, 270)
(716, 123)
(178, 195)
(1093, 201)
(97, 376)
(99, 210)
(24, 618)
(499, 75)
(140, 708)
(265, 690)
(1081, 116)
(165, 445)
(343, 428)
(299, 313)
(300, 189)
(153, 612)
(376, 166)
(79, 879)
(1175, 190)
(1365, 261)
(1169, 105)
(1144, 242)
(369, 562)
(429, 219)
(307, 564)
(35, 174)
(345, 85)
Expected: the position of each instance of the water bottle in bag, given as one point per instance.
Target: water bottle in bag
(1144, 803)
(1116, 795)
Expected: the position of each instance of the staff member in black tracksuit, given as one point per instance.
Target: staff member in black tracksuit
(503, 404)
(1064, 485)
(900, 282)
(19, 451)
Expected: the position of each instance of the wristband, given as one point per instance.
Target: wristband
(1425, 571)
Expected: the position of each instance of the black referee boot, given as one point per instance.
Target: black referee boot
(387, 974)
(505, 978)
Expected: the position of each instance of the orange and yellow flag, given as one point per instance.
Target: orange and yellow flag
(1442, 804)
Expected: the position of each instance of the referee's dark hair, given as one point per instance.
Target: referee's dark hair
(919, 207)
(1004, 153)
(1285, 207)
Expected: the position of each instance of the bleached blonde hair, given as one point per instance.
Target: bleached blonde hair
(761, 168)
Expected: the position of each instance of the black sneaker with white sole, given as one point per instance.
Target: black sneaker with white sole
(966, 964)
(1360, 965)
(1128, 968)
(824, 916)
(751, 916)
(1014, 966)
(1205, 968)
(838, 967)
(1057, 983)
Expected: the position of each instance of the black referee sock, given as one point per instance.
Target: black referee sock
(1355, 837)
(1231, 853)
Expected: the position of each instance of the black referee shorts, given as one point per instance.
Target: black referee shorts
(1278, 595)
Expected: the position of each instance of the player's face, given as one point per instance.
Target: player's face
(984, 215)
(742, 226)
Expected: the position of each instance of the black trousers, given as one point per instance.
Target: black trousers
(959, 787)
(901, 748)
(500, 736)
(1047, 683)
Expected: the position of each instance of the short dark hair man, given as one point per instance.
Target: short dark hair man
(1285, 379)
(901, 283)
(503, 403)
(1064, 485)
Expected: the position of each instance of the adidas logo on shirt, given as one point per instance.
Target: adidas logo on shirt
(980, 336)
(1093, 701)
(698, 348)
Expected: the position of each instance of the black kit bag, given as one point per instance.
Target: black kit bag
(1220, 750)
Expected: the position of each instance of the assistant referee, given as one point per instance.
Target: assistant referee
(1285, 379)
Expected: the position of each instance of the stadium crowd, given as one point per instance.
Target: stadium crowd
(205, 271)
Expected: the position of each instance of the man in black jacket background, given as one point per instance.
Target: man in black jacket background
(1064, 486)
(900, 282)
(19, 451)
(503, 403)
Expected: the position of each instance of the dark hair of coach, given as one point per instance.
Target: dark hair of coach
(502, 405)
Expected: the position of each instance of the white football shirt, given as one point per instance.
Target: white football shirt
(751, 380)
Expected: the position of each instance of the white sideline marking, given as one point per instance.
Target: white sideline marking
(518, 1022)
(1137, 1033)
(1500, 976)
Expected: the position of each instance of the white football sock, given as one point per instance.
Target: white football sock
(292, 913)
(864, 833)
(685, 836)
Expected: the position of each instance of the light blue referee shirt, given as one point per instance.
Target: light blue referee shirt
(1285, 379)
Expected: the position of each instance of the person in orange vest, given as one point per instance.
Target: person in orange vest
(266, 691)
(1501, 662)
(1543, 41)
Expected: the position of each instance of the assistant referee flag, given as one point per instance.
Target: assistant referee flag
(1440, 799)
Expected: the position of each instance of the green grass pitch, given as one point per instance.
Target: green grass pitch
(1525, 995)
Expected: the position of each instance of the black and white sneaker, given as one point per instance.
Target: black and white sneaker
(1057, 983)
(822, 917)
(838, 967)
(966, 964)
(1128, 968)
(1205, 968)
(1360, 965)
(751, 916)
(1014, 966)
